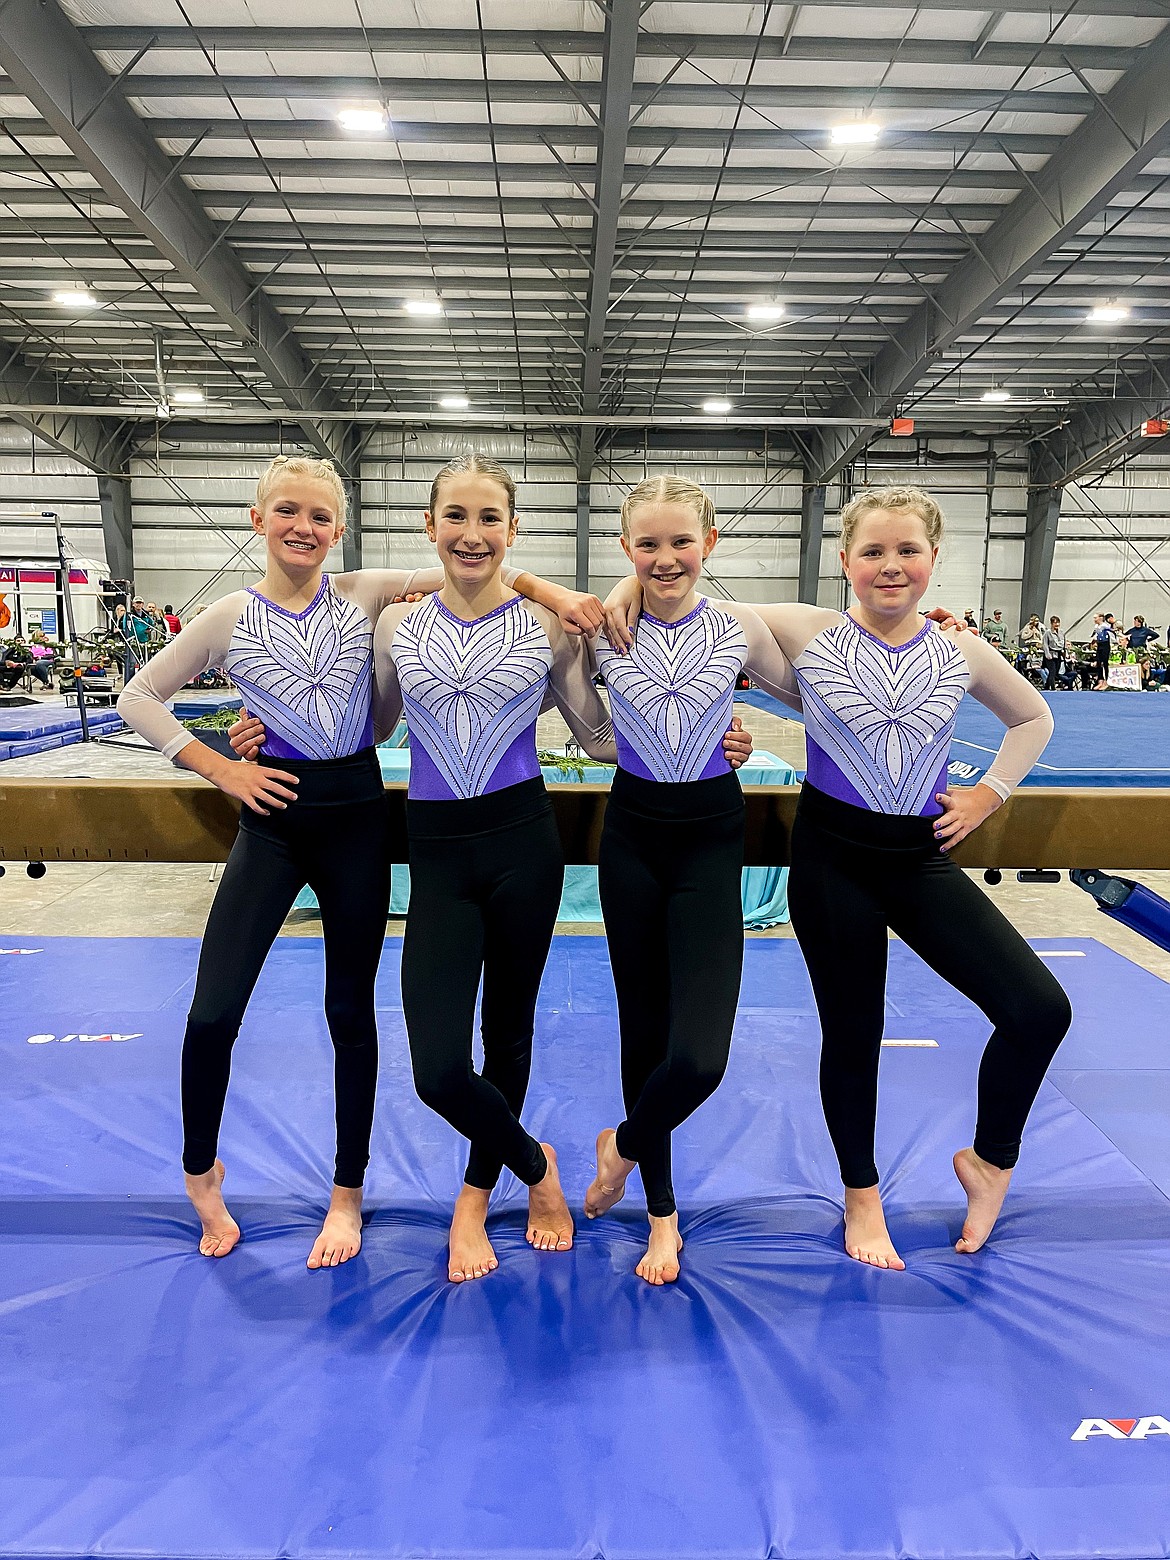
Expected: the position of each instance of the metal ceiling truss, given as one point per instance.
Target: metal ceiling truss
(50, 64)
(1129, 128)
(617, 95)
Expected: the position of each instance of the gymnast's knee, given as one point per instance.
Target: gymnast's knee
(351, 1023)
(1040, 1015)
(209, 1027)
(696, 1078)
(439, 1083)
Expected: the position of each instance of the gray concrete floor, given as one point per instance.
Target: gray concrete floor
(159, 900)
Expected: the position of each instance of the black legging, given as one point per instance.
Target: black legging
(334, 838)
(669, 877)
(485, 884)
(857, 873)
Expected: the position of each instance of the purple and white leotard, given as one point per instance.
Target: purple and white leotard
(307, 675)
(671, 695)
(879, 718)
(471, 692)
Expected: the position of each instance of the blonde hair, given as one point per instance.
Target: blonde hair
(914, 499)
(302, 466)
(475, 464)
(670, 490)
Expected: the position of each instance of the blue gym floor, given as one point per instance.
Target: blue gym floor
(1101, 739)
(780, 1401)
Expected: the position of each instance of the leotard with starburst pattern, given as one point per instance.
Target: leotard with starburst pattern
(471, 691)
(671, 696)
(879, 718)
(307, 675)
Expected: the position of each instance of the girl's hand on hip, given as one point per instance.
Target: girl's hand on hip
(258, 788)
(963, 810)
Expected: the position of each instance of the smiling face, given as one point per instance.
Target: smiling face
(665, 543)
(890, 561)
(299, 522)
(471, 527)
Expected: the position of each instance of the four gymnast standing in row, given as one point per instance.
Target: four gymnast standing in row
(472, 667)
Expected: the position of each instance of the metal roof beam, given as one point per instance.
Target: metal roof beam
(50, 64)
(716, 45)
(652, 137)
(617, 98)
(94, 442)
(1095, 164)
(421, 89)
(1102, 434)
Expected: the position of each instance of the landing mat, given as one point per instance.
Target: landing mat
(779, 1401)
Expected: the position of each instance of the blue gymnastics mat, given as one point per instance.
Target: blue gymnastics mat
(1101, 739)
(780, 1401)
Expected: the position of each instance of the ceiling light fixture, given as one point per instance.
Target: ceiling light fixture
(423, 306)
(1107, 314)
(357, 120)
(74, 299)
(716, 408)
(187, 397)
(996, 395)
(454, 403)
(765, 311)
(858, 132)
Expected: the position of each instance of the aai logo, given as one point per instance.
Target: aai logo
(1122, 1429)
(64, 1039)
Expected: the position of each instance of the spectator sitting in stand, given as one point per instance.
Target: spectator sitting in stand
(43, 654)
(18, 659)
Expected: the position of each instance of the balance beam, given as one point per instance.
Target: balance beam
(186, 819)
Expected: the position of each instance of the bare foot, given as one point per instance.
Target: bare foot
(986, 1187)
(471, 1254)
(609, 1185)
(866, 1237)
(660, 1263)
(550, 1224)
(341, 1234)
(220, 1230)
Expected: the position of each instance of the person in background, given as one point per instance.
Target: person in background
(1102, 647)
(171, 619)
(43, 656)
(1032, 635)
(1138, 638)
(969, 619)
(1053, 649)
(995, 629)
(17, 659)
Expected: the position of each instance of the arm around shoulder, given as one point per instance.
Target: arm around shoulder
(575, 693)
